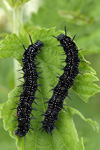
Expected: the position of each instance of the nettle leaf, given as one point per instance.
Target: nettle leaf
(86, 88)
(91, 122)
(84, 65)
(14, 3)
(12, 46)
(62, 138)
(65, 137)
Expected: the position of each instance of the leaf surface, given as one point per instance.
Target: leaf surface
(50, 61)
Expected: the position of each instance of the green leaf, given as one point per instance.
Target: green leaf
(94, 124)
(84, 65)
(50, 60)
(16, 3)
(61, 138)
(85, 87)
(12, 46)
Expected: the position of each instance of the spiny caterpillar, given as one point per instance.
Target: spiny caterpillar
(66, 80)
(27, 97)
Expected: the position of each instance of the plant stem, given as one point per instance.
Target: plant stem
(17, 18)
(9, 17)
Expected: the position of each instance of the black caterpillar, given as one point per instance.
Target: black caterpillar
(66, 80)
(29, 88)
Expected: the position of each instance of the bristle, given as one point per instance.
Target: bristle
(65, 31)
(74, 37)
(30, 39)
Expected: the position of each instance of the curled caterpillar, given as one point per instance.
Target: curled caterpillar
(27, 96)
(66, 80)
